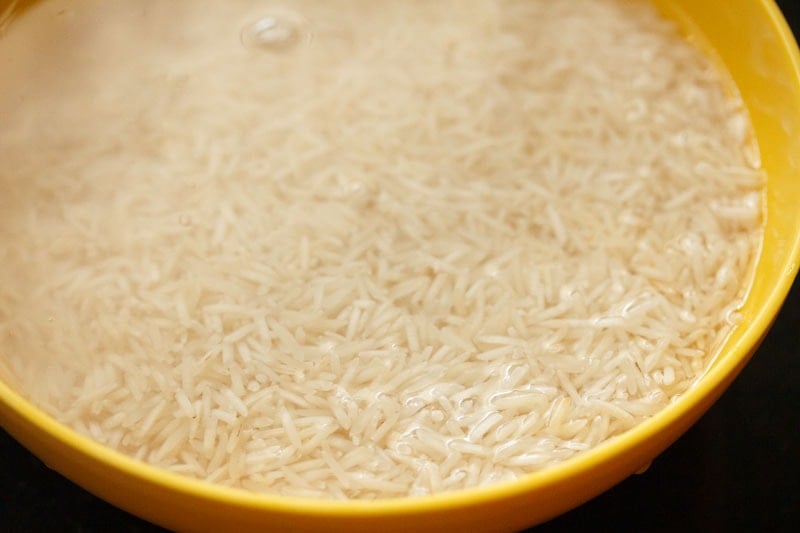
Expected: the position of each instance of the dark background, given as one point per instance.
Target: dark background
(738, 469)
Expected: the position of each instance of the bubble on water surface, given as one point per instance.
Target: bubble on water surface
(276, 32)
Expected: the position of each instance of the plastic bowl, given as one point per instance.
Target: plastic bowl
(755, 44)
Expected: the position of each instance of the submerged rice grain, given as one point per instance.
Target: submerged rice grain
(437, 245)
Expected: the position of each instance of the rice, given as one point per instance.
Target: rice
(418, 247)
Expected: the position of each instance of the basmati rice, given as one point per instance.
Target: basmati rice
(418, 247)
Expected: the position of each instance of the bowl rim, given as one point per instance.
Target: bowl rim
(725, 366)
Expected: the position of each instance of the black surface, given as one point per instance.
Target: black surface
(738, 469)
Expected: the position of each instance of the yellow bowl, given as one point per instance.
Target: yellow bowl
(755, 44)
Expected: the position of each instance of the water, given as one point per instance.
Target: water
(276, 32)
